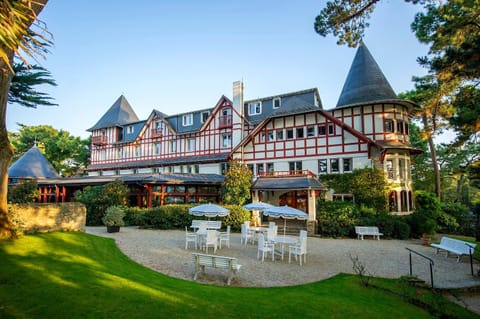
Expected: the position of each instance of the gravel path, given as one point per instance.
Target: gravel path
(163, 251)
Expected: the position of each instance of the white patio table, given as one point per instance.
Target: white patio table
(284, 241)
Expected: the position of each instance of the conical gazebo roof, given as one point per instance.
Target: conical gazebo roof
(365, 81)
(32, 165)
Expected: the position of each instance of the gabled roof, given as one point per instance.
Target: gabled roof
(365, 82)
(32, 165)
(290, 183)
(120, 113)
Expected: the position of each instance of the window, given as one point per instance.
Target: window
(130, 129)
(226, 140)
(347, 164)
(389, 126)
(196, 169)
(322, 130)
(254, 108)
(205, 116)
(224, 167)
(406, 128)
(270, 168)
(289, 134)
(389, 166)
(400, 127)
(300, 132)
(262, 137)
(322, 166)
(187, 119)
(310, 131)
(138, 151)
(279, 135)
(191, 145)
(158, 148)
(260, 169)
(119, 152)
(294, 167)
(401, 168)
(331, 129)
(277, 102)
(334, 165)
(173, 146)
(271, 136)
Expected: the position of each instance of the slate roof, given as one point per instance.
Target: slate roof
(161, 162)
(119, 114)
(169, 178)
(289, 183)
(32, 165)
(365, 81)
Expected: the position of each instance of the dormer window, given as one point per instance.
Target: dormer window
(187, 119)
(277, 102)
(254, 108)
(205, 116)
(130, 129)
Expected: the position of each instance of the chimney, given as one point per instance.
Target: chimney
(238, 97)
(238, 135)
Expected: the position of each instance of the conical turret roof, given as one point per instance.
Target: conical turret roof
(365, 82)
(32, 165)
(120, 113)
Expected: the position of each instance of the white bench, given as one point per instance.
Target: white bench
(456, 246)
(222, 262)
(368, 231)
(211, 224)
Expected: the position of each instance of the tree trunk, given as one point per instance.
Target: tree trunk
(6, 151)
(436, 170)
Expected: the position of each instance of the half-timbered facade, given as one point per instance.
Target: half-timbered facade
(288, 140)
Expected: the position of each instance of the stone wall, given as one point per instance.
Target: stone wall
(53, 217)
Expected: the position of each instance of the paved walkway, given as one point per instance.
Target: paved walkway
(164, 251)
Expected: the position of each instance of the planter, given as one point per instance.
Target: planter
(113, 229)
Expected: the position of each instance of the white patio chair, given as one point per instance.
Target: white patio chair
(303, 234)
(246, 235)
(270, 234)
(225, 237)
(190, 237)
(299, 250)
(271, 224)
(211, 240)
(264, 248)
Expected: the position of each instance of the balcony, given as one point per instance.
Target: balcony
(100, 140)
(225, 121)
(156, 133)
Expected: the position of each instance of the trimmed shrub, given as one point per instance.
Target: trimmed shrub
(337, 219)
(23, 193)
(236, 217)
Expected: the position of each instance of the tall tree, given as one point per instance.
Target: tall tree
(237, 184)
(17, 17)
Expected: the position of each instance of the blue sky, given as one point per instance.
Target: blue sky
(180, 56)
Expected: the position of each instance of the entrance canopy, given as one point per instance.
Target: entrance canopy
(288, 183)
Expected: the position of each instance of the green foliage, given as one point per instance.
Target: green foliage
(337, 219)
(65, 152)
(463, 225)
(236, 217)
(367, 185)
(113, 216)
(98, 198)
(238, 182)
(390, 225)
(23, 193)
(22, 88)
(167, 217)
(133, 216)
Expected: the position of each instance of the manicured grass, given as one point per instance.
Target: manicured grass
(76, 275)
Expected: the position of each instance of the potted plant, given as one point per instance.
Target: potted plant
(429, 230)
(113, 218)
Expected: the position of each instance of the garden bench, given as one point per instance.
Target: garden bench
(211, 224)
(456, 246)
(367, 230)
(213, 261)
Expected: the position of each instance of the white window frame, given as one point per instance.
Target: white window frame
(345, 160)
(173, 146)
(255, 108)
(158, 148)
(226, 140)
(190, 145)
(130, 129)
(187, 119)
(279, 102)
(204, 116)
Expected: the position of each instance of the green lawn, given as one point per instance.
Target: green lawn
(76, 275)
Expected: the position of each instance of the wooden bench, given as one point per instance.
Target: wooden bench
(368, 231)
(222, 262)
(456, 246)
(211, 224)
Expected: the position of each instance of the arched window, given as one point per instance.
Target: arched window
(404, 201)
(392, 202)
